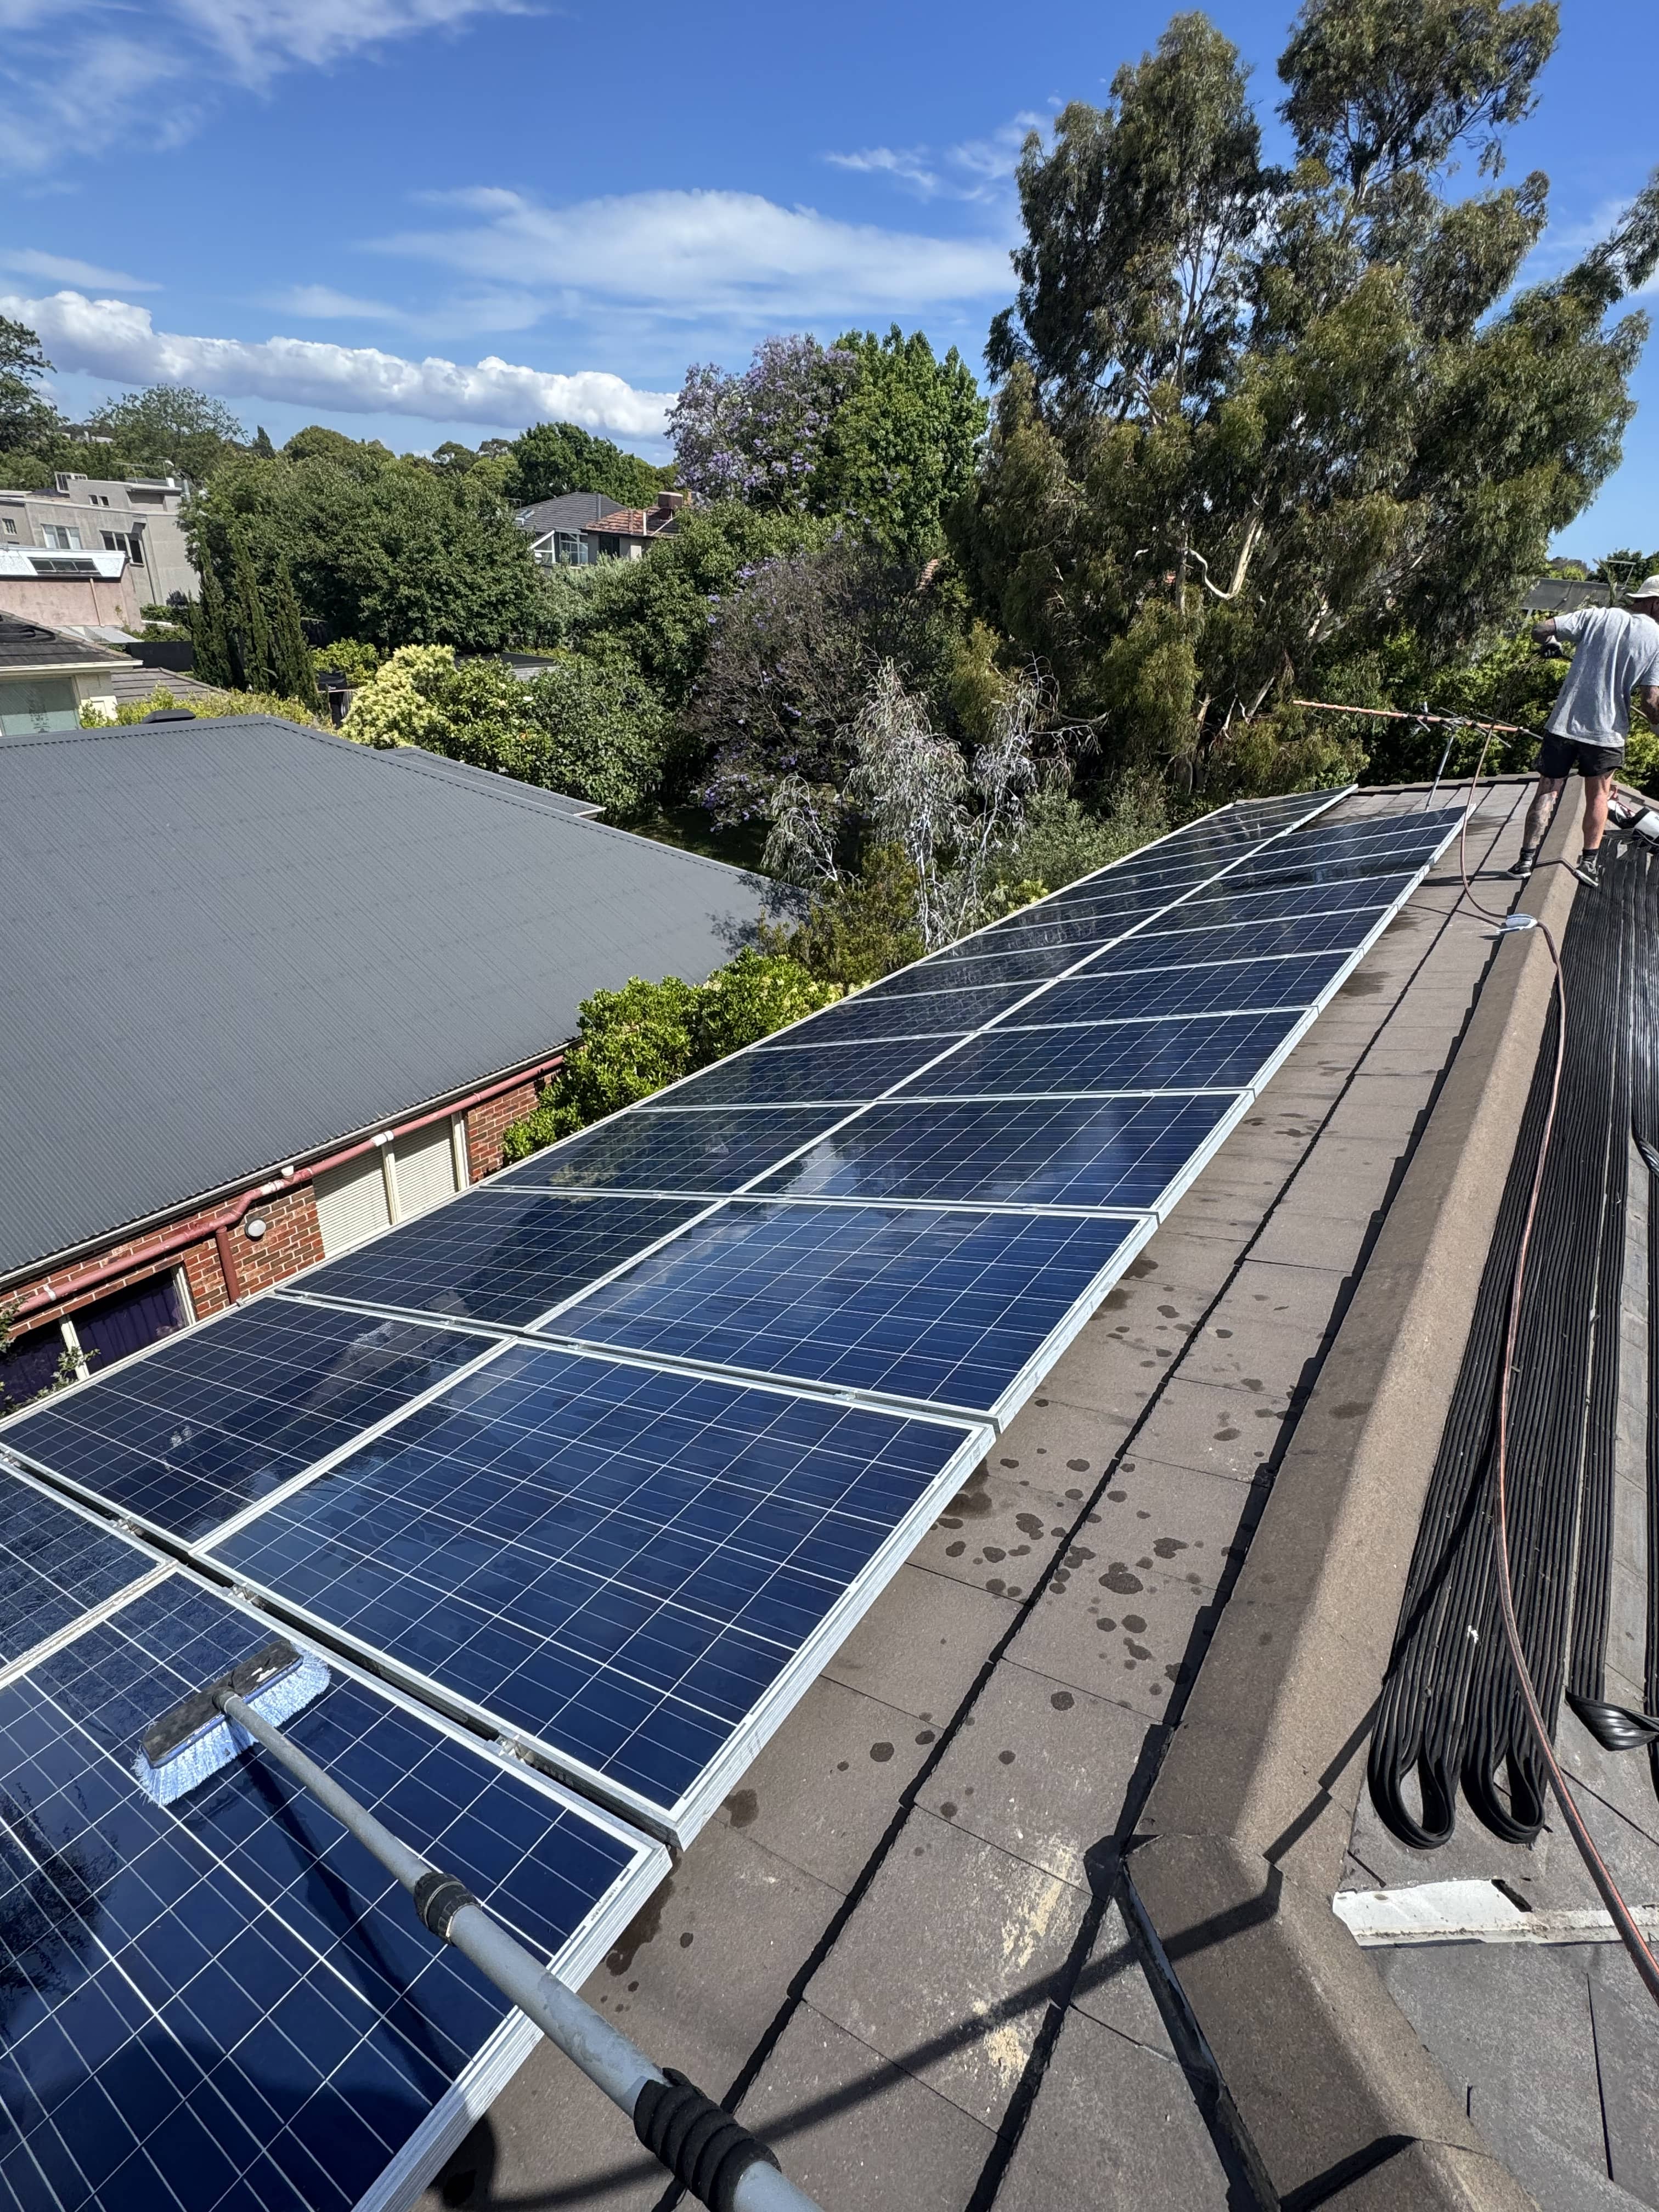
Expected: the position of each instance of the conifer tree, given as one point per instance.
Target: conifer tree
(292, 674)
(212, 661)
(249, 624)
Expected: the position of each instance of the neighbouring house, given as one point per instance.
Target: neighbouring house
(69, 589)
(626, 533)
(266, 992)
(47, 676)
(103, 515)
(583, 526)
(556, 526)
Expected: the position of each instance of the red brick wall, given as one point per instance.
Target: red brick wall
(485, 1125)
(292, 1240)
(293, 1237)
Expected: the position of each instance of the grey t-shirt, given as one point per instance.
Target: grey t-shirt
(1617, 652)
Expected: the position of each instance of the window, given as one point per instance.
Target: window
(98, 498)
(94, 1338)
(29, 707)
(117, 541)
(60, 537)
(11, 527)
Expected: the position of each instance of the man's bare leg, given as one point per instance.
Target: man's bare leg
(1540, 815)
(1598, 790)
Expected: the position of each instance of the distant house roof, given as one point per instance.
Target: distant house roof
(39, 560)
(571, 511)
(1560, 595)
(232, 943)
(30, 648)
(621, 522)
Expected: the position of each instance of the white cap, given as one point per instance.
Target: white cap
(1647, 589)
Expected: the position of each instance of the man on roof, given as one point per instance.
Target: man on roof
(1618, 652)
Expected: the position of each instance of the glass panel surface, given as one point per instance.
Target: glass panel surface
(1200, 988)
(55, 1565)
(1195, 1052)
(226, 2002)
(943, 1307)
(500, 1256)
(187, 1435)
(804, 1073)
(667, 1149)
(618, 1561)
(944, 1013)
(1108, 1153)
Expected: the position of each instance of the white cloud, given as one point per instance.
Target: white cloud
(60, 269)
(692, 254)
(115, 340)
(973, 169)
(61, 60)
(321, 303)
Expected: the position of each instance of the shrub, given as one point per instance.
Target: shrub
(635, 1040)
(218, 705)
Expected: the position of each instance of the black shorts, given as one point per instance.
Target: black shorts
(1560, 757)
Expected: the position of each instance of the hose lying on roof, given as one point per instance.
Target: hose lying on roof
(1453, 1709)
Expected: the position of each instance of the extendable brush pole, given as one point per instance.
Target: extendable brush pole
(706, 2150)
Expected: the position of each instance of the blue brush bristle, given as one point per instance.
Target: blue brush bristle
(213, 1746)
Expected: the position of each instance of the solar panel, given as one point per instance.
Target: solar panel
(506, 1261)
(661, 1147)
(636, 1571)
(789, 1073)
(219, 1415)
(974, 962)
(949, 1309)
(227, 2003)
(1126, 1153)
(1201, 987)
(55, 1565)
(1188, 1053)
(1168, 948)
(944, 1013)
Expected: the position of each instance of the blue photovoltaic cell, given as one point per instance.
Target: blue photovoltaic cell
(187, 1435)
(1332, 932)
(1195, 1052)
(1080, 927)
(1285, 902)
(500, 1255)
(665, 1149)
(808, 1073)
(947, 1308)
(1108, 1153)
(618, 1561)
(1323, 855)
(941, 1014)
(55, 1565)
(973, 962)
(227, 2005)
(1202, 988)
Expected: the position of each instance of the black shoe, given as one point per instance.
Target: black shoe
(1527, 862)
(1589, 869)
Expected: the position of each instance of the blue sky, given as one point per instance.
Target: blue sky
(421, 219)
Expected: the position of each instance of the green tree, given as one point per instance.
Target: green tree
(1254, 423)
(250, 625)
(169, 430)
(592, 729)
(28, 421)
(292, 673)
(393, 551)
(212, 660)
(553, 457)
(899, 450)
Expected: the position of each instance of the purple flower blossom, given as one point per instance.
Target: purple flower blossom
(759, 436)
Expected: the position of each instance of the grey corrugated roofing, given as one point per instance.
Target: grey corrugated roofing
(227, 944)
(572, 510)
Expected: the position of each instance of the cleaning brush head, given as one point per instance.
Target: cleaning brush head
(194, 1740)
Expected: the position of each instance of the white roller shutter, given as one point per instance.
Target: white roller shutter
(425, 1162)
(351, 1203)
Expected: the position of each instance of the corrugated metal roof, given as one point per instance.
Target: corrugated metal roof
(226, 944)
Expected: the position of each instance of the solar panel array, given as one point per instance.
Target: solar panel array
(603, 1459)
